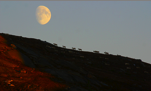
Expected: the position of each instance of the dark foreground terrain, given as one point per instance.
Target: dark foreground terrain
(28, 64)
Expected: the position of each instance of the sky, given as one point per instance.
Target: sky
(116, 27)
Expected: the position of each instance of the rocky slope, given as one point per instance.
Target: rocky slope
(28, 64)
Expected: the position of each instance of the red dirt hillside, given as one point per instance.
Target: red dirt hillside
(15, 76)
(28, 64)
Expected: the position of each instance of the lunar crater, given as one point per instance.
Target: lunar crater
(43, 15)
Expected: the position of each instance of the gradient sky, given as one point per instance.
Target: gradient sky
(117, 27)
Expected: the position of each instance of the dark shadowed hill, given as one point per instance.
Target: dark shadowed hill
(28, 64)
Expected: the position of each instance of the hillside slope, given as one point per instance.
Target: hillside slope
(28, 64)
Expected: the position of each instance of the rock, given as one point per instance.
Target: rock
(103, 84)
(4, 75)
(26, 50)
(95, 82)
(27, 61)
(8, 81)
(63, 75)
(70, 65)
(51, 71)
(60, 74)
(13, 46)
(23, 71)
(78, 79)
(11, 85)
(89, 62)
(77, 89)
(42, 62)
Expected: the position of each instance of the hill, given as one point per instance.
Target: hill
(28, 64)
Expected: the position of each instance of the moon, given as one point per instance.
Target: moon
(43, 14)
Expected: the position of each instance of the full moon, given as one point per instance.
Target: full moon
(43, 15)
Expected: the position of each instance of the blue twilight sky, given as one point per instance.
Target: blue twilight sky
(117, 27)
